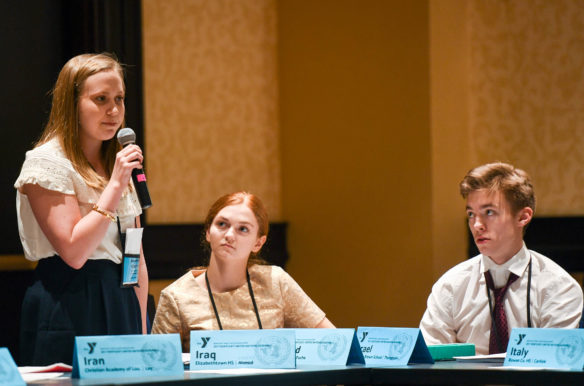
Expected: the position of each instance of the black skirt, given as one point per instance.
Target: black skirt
(64, 303)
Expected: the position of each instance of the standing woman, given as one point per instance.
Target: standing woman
(74, 202)
(236, 291)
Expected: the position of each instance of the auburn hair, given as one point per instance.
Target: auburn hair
(254, 203)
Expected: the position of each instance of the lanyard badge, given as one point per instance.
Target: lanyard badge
(131, 258)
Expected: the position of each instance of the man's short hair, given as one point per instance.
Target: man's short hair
(514, 183)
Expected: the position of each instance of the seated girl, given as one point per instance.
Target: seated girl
(237, 290)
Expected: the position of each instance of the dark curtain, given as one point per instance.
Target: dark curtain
(36, 38)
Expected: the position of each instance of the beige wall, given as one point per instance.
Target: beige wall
(507, 81)
(355, 134)
(527, 94)
(211, 104)
(355, 121)
(450, 136)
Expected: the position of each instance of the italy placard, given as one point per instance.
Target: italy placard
(554, 348)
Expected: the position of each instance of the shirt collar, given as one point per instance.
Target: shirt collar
(500, 273)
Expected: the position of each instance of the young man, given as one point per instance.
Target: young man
(507, 285)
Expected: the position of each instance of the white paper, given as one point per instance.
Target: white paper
(133, 240)
(33, 377)
(490, 358)
(55, 367)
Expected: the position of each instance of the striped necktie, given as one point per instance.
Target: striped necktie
(500, 331)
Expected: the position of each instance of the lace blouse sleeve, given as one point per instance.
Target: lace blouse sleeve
(47, 170)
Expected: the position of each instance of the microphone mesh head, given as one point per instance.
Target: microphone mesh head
(126, 136)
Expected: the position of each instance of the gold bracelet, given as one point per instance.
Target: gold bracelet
(105, 213)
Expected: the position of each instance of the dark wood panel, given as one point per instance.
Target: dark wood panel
(171, 250)
(38, 37)
(559, 238)
(13, 285)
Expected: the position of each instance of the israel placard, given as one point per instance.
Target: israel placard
(554, 348)
(327, 346)
(229, 349)
(388, 346)
(111, 356)
(9, 374)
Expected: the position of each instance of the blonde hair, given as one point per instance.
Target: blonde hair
(63, 121)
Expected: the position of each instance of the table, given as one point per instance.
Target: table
(456, 373)
(441, 373)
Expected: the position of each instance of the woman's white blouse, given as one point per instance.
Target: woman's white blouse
(47, 166)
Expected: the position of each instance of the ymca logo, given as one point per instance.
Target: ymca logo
(365, 333)
(205, 341)
(91, 346)
(520, 339)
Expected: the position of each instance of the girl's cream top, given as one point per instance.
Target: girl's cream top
(47, 166)
(185, 306)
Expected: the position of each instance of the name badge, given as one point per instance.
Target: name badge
(111, 356)
(229, 349)
(546, 347)
(385, 346)
(324, 346)
(131, 259)
(9, 374)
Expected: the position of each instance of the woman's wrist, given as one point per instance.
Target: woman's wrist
(110, 197)
(104, 212)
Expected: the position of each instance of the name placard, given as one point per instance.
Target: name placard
(228, 349)
(387, 346)
(111, 356)
(546, 347)
(327, 346)
(9, 374)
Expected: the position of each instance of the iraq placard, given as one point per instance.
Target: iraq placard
(327, 346)
(388, 346)
(110, 356)
(553, 348)
(228, 349)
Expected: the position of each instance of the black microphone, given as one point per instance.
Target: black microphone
(126, 136)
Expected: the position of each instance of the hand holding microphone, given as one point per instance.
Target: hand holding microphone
(126, 136)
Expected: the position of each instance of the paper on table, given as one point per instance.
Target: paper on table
(34, 377)
(39, 373)
(491, 358)
(54, 368)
